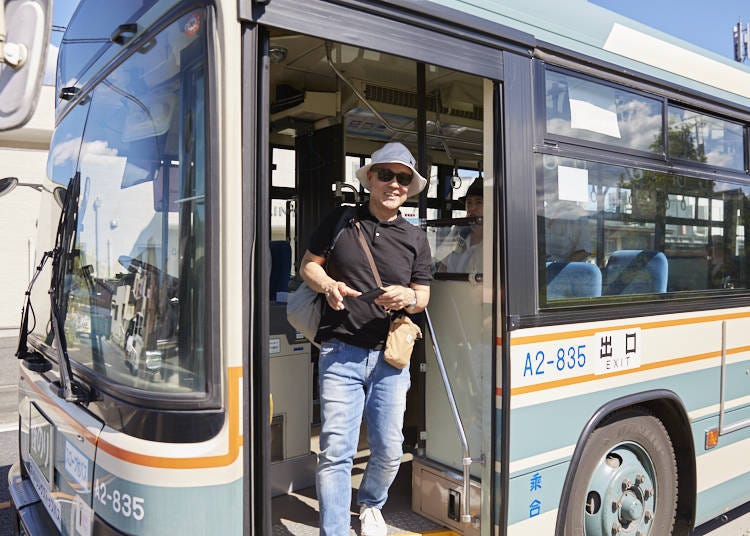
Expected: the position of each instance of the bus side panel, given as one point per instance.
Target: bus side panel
(146, 487)
(181, 505)
(723, 478)
(561, 378)
(532, 499)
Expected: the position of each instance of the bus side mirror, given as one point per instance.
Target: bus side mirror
(24, 36)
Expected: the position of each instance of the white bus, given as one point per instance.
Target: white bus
(591, 378)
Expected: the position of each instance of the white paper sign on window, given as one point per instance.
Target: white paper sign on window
(593, 107)
(572, 184)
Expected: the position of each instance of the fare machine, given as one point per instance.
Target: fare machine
(292, 462)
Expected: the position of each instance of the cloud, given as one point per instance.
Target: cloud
(68, 150)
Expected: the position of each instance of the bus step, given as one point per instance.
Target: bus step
(437, 495)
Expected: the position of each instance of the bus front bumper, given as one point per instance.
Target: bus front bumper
(31, 517)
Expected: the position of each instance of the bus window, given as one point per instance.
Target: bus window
(141, 218)
(598, 112)
(88, 36)
(66, 144)
(607, 230)
(703, 138)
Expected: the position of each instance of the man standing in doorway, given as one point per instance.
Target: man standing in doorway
(354, 380)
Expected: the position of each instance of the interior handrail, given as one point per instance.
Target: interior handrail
(467, 459)
(450, 222)
(471, 277)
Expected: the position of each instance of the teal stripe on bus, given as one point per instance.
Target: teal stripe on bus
(535, 493)
(697, 389)
(169, 510)
(722, 498)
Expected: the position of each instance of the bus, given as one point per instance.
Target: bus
(591, 378)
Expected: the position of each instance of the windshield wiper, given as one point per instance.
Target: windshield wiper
(69, 389)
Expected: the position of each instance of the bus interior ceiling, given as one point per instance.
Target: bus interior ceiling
(331, 106)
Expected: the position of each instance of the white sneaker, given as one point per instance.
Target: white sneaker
(372, 522)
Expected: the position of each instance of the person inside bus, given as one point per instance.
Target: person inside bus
(722, 265)
(568, 231)
(354, 380)
(466, 257)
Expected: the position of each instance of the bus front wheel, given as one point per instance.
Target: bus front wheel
(626, 482)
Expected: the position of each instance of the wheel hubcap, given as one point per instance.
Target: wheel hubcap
(621, 499)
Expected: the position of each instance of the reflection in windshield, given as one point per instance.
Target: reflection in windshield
(135, 283)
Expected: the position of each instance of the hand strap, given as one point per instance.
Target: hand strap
(368, 254)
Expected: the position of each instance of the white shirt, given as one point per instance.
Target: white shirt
(466, 259)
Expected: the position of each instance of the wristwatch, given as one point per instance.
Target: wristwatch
(413, 303)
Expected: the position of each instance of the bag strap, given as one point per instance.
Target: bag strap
(348, 214)
(368, 254)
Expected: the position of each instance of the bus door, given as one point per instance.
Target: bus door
(459, 351)
(324, 105)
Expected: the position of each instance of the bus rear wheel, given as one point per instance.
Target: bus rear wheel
(626, 482)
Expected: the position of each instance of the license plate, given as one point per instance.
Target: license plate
(41, 443)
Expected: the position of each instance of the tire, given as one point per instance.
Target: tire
(626, 483)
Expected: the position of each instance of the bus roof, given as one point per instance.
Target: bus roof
(575, 25)
(591, 30)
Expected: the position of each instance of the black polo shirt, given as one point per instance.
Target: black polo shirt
(402, 255)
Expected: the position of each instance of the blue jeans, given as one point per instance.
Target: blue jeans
(356, 382)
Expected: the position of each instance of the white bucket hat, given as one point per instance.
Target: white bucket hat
(393, 153)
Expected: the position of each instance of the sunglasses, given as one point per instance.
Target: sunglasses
(386, 175)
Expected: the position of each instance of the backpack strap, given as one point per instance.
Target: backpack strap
(348, 215)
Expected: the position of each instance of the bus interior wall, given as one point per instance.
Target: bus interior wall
(332, 105)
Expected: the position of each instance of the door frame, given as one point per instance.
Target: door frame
(446, 38)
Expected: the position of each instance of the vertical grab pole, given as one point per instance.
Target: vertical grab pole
(465, 511)
(722, 385)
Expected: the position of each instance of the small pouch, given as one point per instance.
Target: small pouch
(402, 335)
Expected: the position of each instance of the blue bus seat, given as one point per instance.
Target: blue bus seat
(281, 267)
(636, 271)
(573, 280)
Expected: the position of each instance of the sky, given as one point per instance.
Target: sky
(63, 9)
(707, 24)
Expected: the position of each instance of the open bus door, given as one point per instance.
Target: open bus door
(323, 106)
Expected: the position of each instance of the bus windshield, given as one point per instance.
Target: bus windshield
(133, 308)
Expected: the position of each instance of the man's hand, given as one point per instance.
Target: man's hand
(395, 298)
(336, 293)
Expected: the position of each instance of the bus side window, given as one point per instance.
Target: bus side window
(648, 232)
